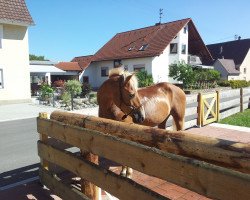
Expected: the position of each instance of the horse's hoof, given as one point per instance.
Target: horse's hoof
(123, 174)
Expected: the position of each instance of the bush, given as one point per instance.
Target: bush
(238, 83)
(144, 79)
(74, 87)
(66, 98)
(59, 83)
(224, 83)
(86, 89)
(183, 72)
(46, 91)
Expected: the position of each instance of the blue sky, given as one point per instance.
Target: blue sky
(68, 28)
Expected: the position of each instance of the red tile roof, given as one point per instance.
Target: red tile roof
(153, 40)
(15, 12)
(127, 44)
(69, 66)
(83, 61)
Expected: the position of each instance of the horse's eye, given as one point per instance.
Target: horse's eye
(131, 96)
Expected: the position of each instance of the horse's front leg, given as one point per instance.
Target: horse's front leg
(118, 115)
(126, 172)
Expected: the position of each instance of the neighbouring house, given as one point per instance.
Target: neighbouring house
(42, 72)
(72, 69)
(152, 49)
(84, 62)
(238, 51)
(227, 69)
(14, 52)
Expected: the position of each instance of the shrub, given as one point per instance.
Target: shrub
(46, 91)
(59, 83)
(74, 87)
(224, 83)
(66, 98)
(183, 72)
(238, 83)
(144, 79)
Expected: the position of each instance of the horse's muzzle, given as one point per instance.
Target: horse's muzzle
(138, 117)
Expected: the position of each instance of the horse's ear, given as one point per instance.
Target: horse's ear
(128, 78)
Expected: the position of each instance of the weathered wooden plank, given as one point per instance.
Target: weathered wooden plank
(191, 99)
(118, 186)
(230, 93)
(229, 112)
(204, 178)
(59, 188)
(221, 152)
(246, 99)
(190, 111)
(229, 104)
(245, 106)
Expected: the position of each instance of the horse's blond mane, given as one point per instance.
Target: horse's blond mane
(120, 71)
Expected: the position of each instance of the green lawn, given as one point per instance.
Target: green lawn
(238, 119)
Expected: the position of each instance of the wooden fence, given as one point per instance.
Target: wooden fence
(229, 102)
(177, 157)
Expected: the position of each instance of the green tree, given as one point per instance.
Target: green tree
(34, 57)
(144, 79)
(73, 87)
(183, 72)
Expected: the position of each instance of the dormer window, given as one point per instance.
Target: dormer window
(131, 48)
(143, 47)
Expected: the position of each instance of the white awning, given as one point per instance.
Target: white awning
(45, 69)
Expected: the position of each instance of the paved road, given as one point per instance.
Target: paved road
(18, 144)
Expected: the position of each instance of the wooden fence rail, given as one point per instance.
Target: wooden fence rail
(98, 136)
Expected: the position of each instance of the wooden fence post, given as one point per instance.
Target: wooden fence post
(217, 105)
(241, 100)
(199, 110)
(44, 138)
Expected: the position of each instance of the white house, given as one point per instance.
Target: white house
(152, 48)
(14, 51)
(238, 51)
(227, 69)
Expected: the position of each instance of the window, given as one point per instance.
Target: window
(245, 70)
(104, 71)
(1, 35)
(143, 47)
(139, 67)
(185, 29)
(1, 79)
(173, 48)
(85, 79)
(183, 49)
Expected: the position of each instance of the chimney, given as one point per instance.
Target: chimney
(239, 37)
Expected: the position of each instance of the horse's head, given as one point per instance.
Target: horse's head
(130, 99)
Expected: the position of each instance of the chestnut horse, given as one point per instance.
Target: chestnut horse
(120, 99)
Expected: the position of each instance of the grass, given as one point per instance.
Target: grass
(238, 119)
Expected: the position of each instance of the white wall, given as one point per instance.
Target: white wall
(245, 64)
(160, 64)
(14, 60)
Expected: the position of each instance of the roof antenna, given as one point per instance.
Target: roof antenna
(160, 14)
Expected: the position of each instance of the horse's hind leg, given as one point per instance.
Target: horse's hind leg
(178, 121)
